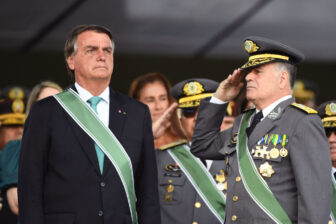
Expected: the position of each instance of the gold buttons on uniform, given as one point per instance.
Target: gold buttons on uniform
(198, 204)
(238, 179)
(235, 198)
(234, 218)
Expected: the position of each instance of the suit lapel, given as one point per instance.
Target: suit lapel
(268, 122)
(118, 114)
(85, 141)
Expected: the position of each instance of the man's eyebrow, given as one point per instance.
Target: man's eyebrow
(91, 46)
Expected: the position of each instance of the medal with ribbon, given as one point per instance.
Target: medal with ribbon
(274, 153)
(284, 142)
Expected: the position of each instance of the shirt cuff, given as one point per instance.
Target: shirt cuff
(216, 100)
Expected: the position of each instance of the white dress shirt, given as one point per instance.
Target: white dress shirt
(265, 111)
(103, 107)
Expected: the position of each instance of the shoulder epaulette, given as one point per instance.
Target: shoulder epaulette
(171, 145)
(306, 109)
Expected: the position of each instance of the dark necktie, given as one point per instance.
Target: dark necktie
(256, 119)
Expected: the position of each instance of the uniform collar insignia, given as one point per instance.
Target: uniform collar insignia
(274, 114)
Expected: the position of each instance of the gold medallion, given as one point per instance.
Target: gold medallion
(274, 153)
(170, 188)
(283, 152)
(169, 197)
(266, 170)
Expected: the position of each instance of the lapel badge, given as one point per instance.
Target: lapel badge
(173, 168)
(266, 170)
(274, 114)
(122, 112)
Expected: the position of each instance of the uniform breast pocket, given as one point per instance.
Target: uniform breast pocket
(171, 189)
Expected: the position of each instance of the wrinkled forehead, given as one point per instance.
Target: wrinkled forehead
(93, 38)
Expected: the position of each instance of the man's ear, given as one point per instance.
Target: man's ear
(70, 63)
(284, 79)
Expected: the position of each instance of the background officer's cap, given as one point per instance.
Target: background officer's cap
(262, 51)
(189, 92)
(327, 112)
(13, 105)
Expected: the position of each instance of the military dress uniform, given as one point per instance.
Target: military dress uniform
(288, 147)
(180, 202)
(12, 113)
(327, 112)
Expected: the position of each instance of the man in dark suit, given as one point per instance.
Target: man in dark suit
(64, 176)
(277, 154)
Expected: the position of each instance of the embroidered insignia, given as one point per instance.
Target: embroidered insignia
(306, 109)
(18, 106)
(274, 114)
(192, 88)
(250, 46)
(16, 93)
(330, 109)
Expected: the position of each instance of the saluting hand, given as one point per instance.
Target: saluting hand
(229, 88)
(160, 125)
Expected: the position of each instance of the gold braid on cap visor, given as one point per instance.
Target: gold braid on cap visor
(192, 101)
(329, 122)
(12, 119)
(263, 58)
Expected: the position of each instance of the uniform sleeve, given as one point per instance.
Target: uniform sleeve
(207, 139)
(32, 167)
(311, 163)
(146, 183)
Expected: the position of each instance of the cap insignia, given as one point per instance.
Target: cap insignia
(330, 109)
(18, 106)
(250, 46)
(192, 88)
(16, 93)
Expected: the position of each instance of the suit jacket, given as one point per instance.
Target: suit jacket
(301, 182)
(186, 205)
(59, 177)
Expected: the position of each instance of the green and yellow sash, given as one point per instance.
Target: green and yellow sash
(87, 119)
(255, 185)
(201, 180)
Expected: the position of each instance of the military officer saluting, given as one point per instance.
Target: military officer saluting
(327, 112)
(190, 192)
(278, 155)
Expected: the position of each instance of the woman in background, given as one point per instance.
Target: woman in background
(152, 89)
(9, 159)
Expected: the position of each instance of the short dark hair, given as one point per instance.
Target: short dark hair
(291, 69)
(70, 47)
